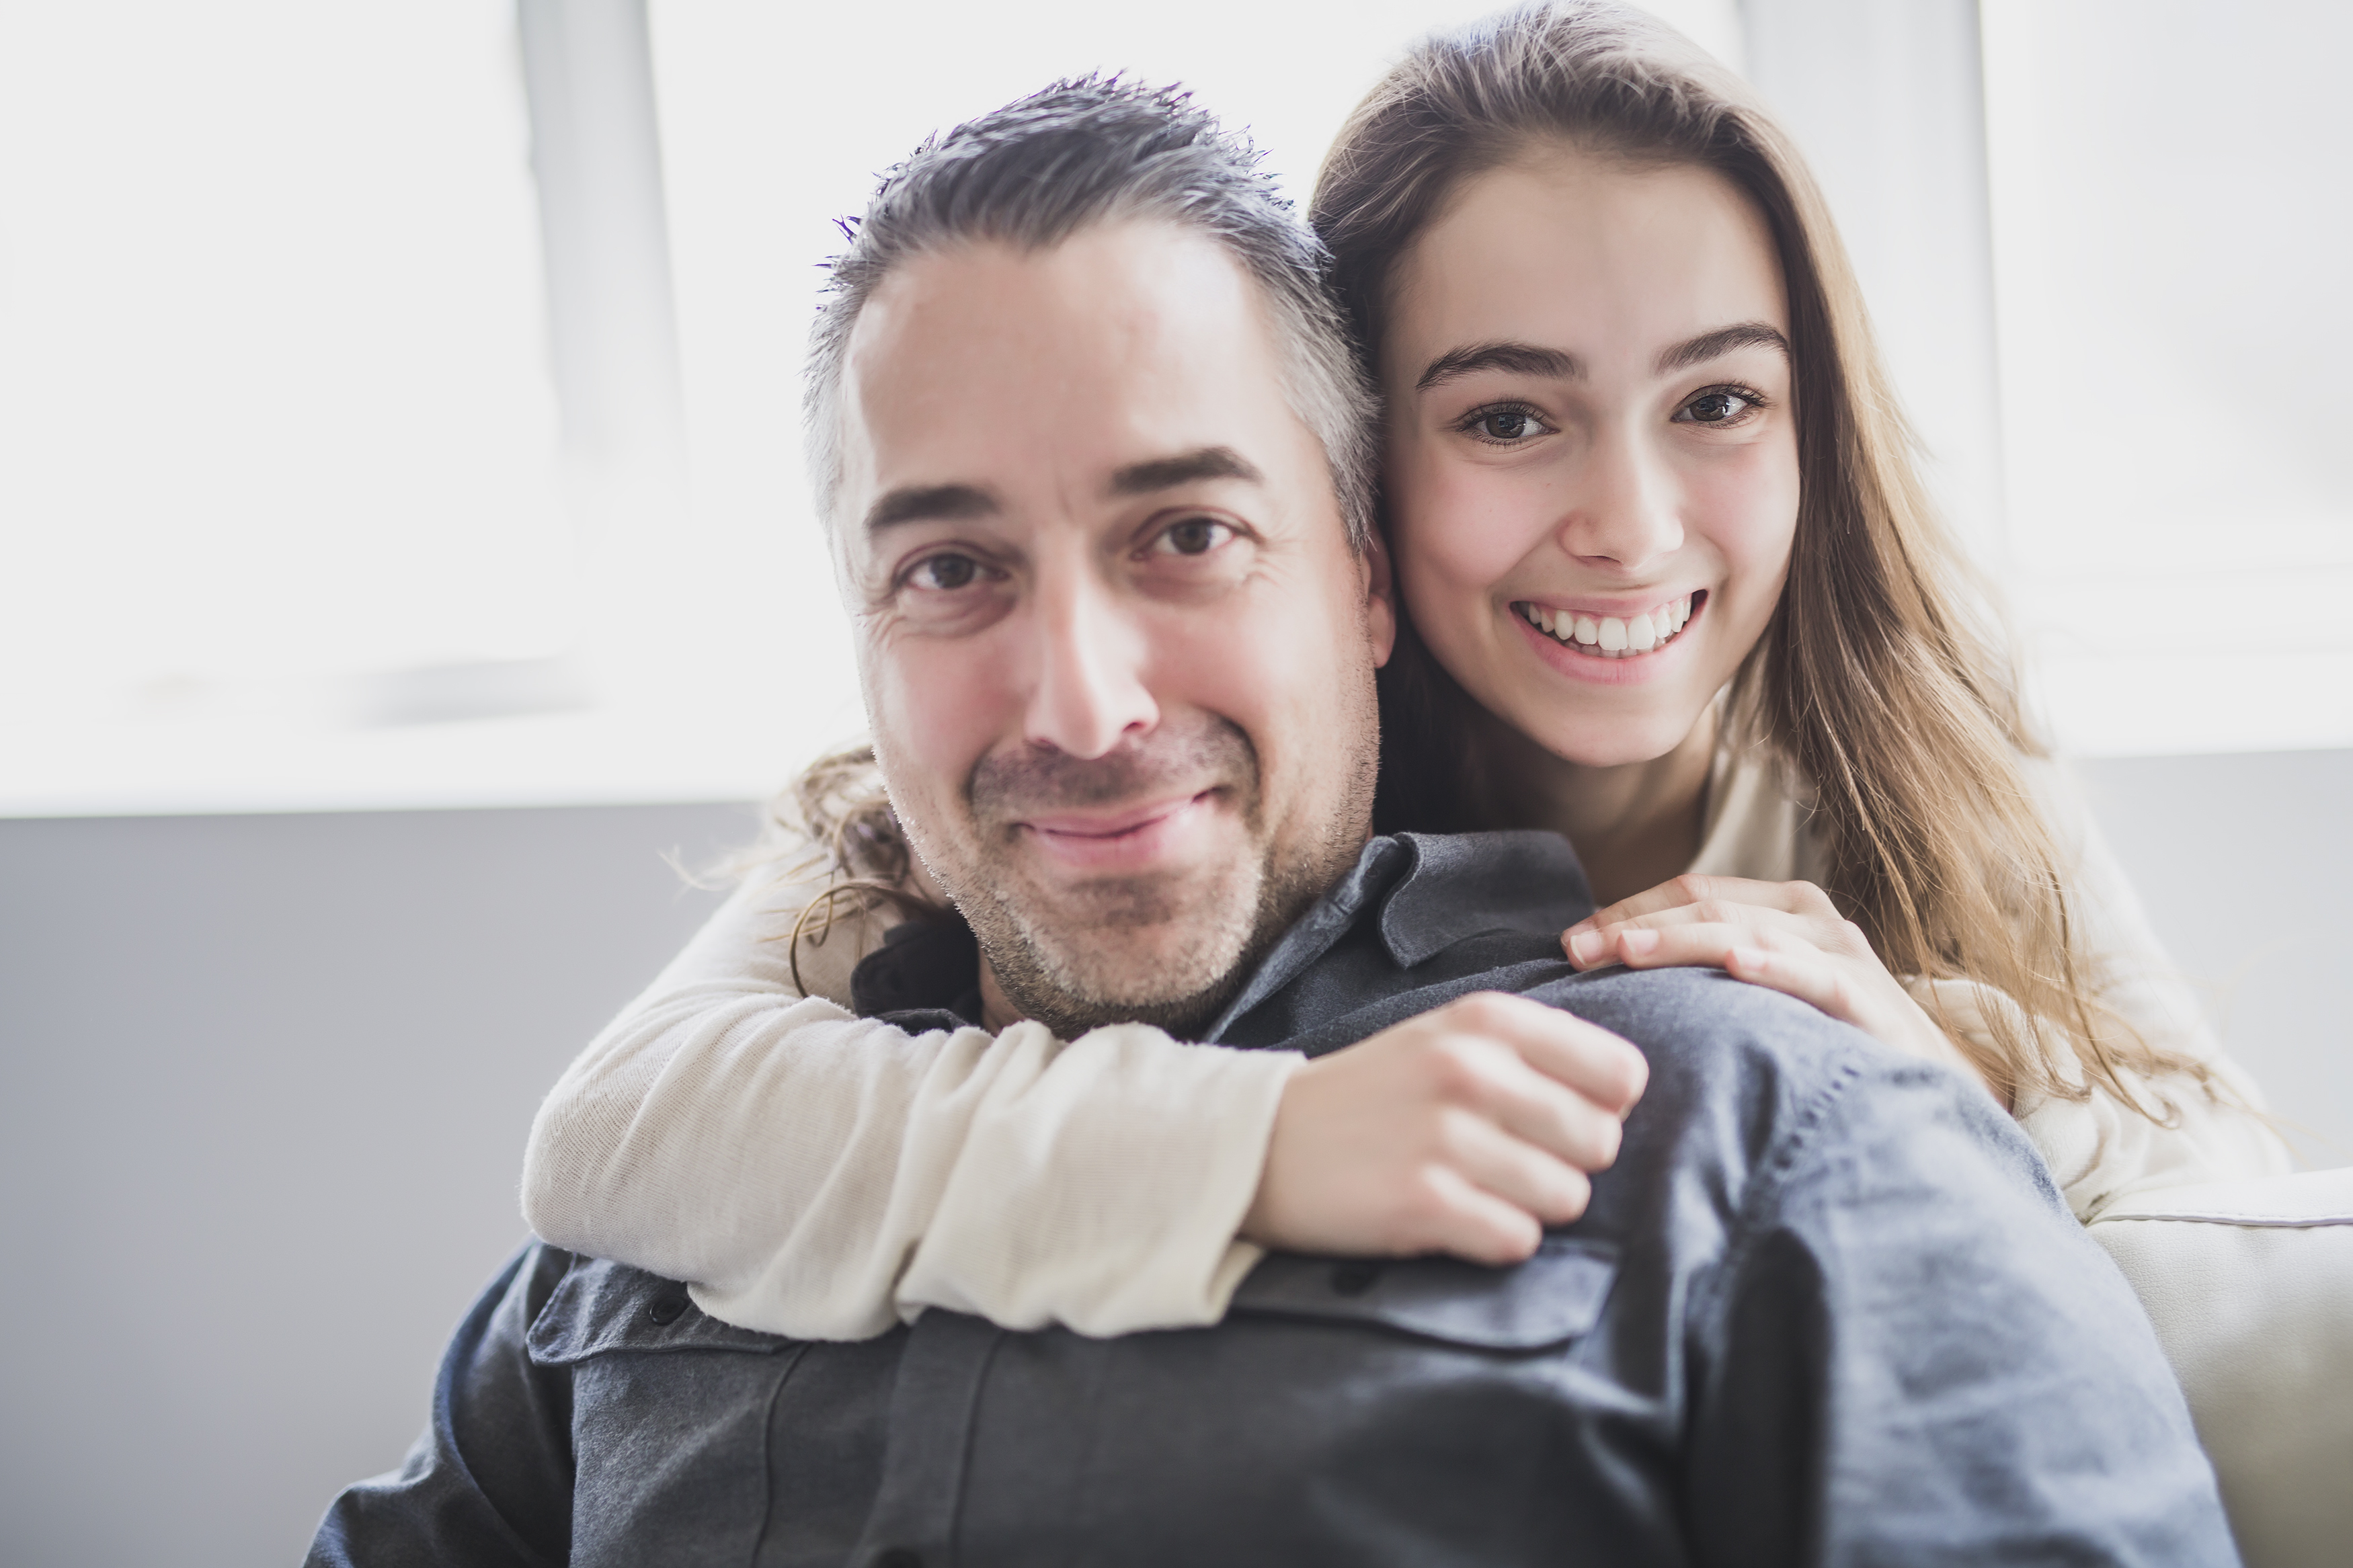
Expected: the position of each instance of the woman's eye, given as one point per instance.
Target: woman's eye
(1505, 427)
(943, 573)
(1194, 536)
(1720, 407)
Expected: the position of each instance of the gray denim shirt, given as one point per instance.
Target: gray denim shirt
(1827, 1308)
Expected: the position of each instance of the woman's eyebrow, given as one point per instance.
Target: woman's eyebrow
(1522, 359)
(1721, 341)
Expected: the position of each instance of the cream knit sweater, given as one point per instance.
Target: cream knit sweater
(822, 1176)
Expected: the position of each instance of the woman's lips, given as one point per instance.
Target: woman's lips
(1610, 650)
(1615, 630)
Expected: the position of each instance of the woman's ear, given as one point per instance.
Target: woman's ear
(1380, 599)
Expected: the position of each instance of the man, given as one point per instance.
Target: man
(1087, 440)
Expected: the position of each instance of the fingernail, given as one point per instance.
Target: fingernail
(1635, 943)
(1585, 946)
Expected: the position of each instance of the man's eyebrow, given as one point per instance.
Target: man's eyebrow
(1723, 340)
(1522, 359)
(1188, 467)
(929, 503)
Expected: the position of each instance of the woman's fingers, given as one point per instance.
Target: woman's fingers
(1465, 1130)
(1809, 977)
(1804, 898)
(1598, 1065)
(1785, 936)
(1473, 1224)
(1536, 1110)
(1765, 956)
(1550, 1190)
(1691, 888)
(1705, 943)
(1793, 958)
(1614, 944)
(1684, 889)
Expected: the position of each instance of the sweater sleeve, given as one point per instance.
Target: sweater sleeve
(824, 1176)
(2101, 1149)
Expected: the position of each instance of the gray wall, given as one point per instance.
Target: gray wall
(2246, 864)
(268, 1080)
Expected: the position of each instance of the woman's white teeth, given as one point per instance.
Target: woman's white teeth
(1607, 635)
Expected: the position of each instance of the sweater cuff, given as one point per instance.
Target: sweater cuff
(1106, 1196)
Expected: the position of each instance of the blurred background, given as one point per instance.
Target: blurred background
(404, 562)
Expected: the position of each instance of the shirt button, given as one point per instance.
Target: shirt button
(666, 1308)
(1354, 1278)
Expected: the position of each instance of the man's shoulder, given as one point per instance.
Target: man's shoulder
(1710, 1034)
(1769, 1093)
(1747, 1085)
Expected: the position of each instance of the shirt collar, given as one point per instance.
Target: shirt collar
(1427, 891)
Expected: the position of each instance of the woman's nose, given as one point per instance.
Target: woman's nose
(1626, 509)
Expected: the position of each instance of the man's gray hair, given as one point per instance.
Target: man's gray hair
(1097, 150)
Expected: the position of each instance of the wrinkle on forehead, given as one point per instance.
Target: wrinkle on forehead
(1001, 369)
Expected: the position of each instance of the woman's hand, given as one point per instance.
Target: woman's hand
(1467, 1130)
(1785, 936)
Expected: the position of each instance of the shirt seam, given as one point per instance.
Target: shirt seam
(1784, 1156)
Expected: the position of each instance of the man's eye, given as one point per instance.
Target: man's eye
(1720, 407)
(1194, 536)
(943, 573)
(1505, 427)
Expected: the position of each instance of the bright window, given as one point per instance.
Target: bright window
(273, 415)
(339, 464)
(2171, 219)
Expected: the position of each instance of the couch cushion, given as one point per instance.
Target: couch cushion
(2251, 1287)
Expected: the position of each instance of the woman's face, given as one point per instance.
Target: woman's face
(1592, 453)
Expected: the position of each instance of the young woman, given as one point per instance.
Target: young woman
(1671, 590)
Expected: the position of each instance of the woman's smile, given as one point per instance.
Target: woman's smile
(1630, 648)
(1618, 635)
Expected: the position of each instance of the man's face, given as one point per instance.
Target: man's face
(1115, 650)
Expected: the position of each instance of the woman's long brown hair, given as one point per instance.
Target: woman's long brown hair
(1879, 679)
(833, 829)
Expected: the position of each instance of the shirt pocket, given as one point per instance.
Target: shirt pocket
(1554, 1297)
(1346, 1411)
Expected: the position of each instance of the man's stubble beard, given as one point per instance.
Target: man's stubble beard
(1075, 964)
(1112, 966)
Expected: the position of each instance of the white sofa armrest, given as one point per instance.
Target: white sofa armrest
(2251, 1287)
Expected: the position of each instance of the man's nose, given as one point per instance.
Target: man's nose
(1627, 508)
(1088, 689)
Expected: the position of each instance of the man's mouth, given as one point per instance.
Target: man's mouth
(1112, 824)
(1615, 637)
(1130, 836)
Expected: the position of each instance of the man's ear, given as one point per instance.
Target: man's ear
(1380, 598)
